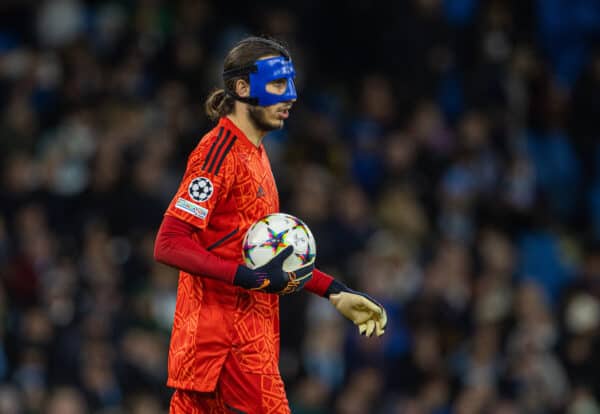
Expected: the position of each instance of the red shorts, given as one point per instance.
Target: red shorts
(237, 392)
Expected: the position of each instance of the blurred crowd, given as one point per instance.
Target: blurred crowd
(444, 152)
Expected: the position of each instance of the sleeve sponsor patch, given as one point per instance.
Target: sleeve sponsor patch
(189, 207)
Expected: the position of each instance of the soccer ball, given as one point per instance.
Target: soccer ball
(273, 233)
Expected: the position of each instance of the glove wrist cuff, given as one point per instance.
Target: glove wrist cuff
(336, 287)
(244, 277)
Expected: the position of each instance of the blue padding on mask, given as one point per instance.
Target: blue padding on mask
(268, 70)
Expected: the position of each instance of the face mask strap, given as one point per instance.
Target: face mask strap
(237, 72)
(246, 99)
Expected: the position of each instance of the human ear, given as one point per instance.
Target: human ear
(242, 88)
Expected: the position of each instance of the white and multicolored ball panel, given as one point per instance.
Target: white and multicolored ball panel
(273, 233)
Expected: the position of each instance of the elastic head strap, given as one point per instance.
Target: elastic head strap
(237, 72)
(246, 99)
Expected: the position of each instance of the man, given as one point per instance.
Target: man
(224, 350)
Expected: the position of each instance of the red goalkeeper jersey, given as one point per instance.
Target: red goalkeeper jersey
(227, 186)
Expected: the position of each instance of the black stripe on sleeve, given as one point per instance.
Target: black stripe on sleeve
(225, 154)
(234, 410)
(214, 159)
(223, 239)
(212, 147)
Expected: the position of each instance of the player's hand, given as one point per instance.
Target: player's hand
(364, 311)
(271, 277)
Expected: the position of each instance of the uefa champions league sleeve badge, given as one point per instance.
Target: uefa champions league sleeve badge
(200, 189)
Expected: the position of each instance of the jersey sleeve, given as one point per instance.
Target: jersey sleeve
(208, 179)
(174, 246)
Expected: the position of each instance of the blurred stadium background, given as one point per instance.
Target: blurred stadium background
(444, 152)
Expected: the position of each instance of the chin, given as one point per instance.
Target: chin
(276, 124)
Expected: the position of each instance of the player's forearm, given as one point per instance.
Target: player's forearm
(319, 283)
(175, 247)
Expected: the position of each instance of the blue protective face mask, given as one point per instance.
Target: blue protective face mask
(261, 73)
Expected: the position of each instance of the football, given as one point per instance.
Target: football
(273, 233)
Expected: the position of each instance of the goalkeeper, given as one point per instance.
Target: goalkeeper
(224, 350)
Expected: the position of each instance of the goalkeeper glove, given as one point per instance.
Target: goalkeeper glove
(271, 278)
(364, 311)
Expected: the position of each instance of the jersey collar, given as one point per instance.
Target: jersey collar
(242, 138)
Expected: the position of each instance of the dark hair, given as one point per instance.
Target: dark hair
(247, 51)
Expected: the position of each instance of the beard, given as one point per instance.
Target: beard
(258, 116)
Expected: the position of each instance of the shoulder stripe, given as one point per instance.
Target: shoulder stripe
(212, 147)
(214, 159)
(227, 149)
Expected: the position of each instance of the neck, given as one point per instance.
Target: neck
(245, 124)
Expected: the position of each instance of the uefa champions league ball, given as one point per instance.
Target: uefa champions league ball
(273, 233)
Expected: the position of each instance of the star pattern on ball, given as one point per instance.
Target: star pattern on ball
(276, 240)
(305, 256)
(248, 247)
